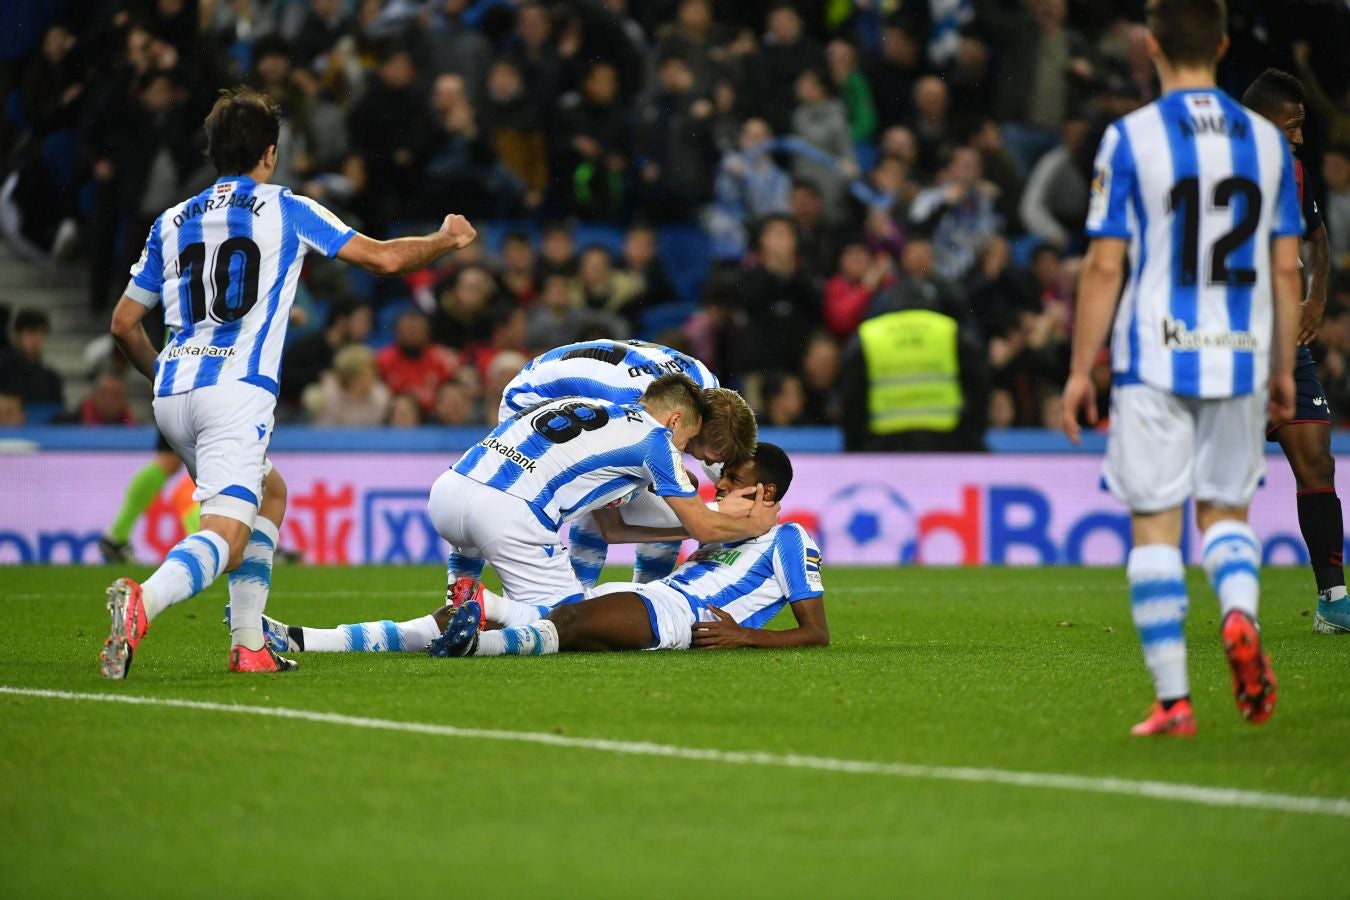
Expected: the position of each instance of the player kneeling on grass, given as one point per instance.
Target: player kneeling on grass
(721, 597)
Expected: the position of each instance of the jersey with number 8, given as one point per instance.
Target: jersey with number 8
(225, 263)
(1199, 186)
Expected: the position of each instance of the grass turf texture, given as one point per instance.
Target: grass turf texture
(1032, 670)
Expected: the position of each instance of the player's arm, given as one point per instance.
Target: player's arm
(129, 335)
(1288, 288)
(616, 531)
(709, 526)
(812, 630)
(1316, 257)
(407, 254)
(1098, 289)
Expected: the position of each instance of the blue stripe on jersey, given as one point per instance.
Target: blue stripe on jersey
(470, 459)
(614, 484)
(1246, 164)
(290, 245)
(559, 352)
(590, 388)
(762, 617)
(688, 573)
(151, 276)
(634, 455)
(791, 550)
(1183, 303)
(1141, 217)
(758, 573)
(189, 233)
(238, 224)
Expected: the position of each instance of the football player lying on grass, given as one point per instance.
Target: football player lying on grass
(720, 597)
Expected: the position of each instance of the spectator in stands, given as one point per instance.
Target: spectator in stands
(1336, 178)
(506, 335)
(848, 294)
(715, 333)
(749, 186)
(390, 129)
(452, 47)
(453, 405)
(821, 120)
(641, 261)
(515, 128)
(1042, 63)
(783, 400)
(820, 381)
(591, 148)
(105, 404)
(959, 214)
(1000, 170)
(324, 24)
(1055, 201)
(413, 365)
(535, 53)
(404, 412)
(504, 367)
(557, 251)
(517, 273)
(554, 321)
(11, 409)
(786, 53)
(307, 358)
(853, 89)
(893, 76)
(675, 140)
(779, 296)
(22, 370)
(604, 294)
(463, 313)
(349, 395)
(817, 243)
(461, 168)
(696, 37)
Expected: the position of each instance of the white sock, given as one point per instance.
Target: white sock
(1158, 605)
(250, 583)
(1334, 594)
(521, 640)
(1232, 560)
(191, 566)
(507, 613)
(368, 637)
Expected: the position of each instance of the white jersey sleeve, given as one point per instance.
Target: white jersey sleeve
(317, 228)
(147, 274)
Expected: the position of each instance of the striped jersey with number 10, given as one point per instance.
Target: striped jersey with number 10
(752, 580)
(1199, 185)
(567, 457)
(614, 371)
(226, 263)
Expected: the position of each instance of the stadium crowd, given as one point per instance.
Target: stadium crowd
(746, 181)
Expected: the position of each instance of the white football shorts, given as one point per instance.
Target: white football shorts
(672, 619)
(1163, 448)
(480, 521)
(221, 433)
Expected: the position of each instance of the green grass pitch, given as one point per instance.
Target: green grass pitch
(1027, 670)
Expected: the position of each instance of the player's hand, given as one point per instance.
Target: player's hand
(1079, 396)
(1309, 320)
(764, 514)
(1281, 397)
(459, 230)
(722, 634)
(738, 504)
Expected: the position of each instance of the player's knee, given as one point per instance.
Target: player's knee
(1315, 470)
(274, 496)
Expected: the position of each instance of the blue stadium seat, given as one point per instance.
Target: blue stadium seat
(41, 413)
(660, 318)
(608, 236)
(686, 251)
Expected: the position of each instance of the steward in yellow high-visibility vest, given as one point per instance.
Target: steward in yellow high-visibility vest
(913, 372)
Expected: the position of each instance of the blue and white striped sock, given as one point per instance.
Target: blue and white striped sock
(461, 564)
(586, 551)
(250, 583)
(1232, 560)
(655, 561)
(1158, 605)
(370, 637)
(191, 566)
(523, 640)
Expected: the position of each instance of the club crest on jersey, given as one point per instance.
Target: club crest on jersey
(1100, 194)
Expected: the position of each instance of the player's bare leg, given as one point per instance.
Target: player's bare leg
(1307, 446)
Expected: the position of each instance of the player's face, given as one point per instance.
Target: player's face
(1290, 120)
(700, 449)
(734, 479)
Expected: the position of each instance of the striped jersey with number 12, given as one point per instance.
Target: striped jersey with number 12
(225, 263)
(567, 457)
(752, 580)
(1199, 185)
(614, 371)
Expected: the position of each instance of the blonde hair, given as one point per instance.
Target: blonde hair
(729, 428)
(353, 360)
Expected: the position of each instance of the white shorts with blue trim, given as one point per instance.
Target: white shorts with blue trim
(1164, 448)
(221, 433)
(672, 618)
(505, 531)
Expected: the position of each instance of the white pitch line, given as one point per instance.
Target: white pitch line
(1157, 790)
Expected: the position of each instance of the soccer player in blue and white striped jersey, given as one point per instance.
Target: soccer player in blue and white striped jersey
(507, 497)
(721, 597)
(618, 372)
(1199, 194)
(225, 263)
